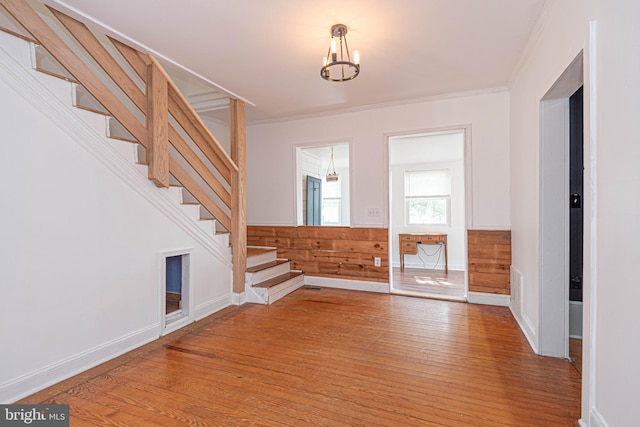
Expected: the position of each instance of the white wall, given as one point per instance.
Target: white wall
(80, 255)
(561, 40)
(611, 374)
(271, 168)
(617, 228)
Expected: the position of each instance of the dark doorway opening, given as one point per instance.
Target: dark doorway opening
(576, 226)
(576, 191)
(173, 284)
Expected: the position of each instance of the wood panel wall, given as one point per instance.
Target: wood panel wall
(489, 259)
(336, 252)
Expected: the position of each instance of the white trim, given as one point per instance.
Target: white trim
(532, 41)
(354, 285)
(42, 378)
(238, 299)
(167, 323)
(596, 419)
(339, 112)
(489, 299)
(208, 308)
(63, 115)
(527, 329)
(590, 314)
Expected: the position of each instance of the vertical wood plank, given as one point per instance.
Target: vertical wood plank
(239, 194)
(157, 126)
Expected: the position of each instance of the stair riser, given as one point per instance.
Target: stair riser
(261, 276)
(274, 290)
(275, 296)
(264, 258)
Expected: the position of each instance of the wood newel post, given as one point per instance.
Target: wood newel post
(157, 125)
(238, 194)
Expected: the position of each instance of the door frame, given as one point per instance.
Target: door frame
(468, 189)
(553, 340)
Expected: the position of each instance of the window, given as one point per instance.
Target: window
(428, 197)
(331, 203)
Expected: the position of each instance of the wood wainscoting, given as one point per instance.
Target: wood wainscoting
(334, 252)
(489, 260)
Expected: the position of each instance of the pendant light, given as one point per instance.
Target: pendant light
(333, 176)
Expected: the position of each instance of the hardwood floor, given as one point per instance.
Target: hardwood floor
(575, 353)
(429, 283)
(334, 358)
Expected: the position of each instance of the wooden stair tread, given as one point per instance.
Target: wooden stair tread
(278, 279)
(266, 265)
(258, 250)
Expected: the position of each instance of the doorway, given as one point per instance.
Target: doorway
(323, 185)
(427, 218)
(176, 290)
(557, 261)
(576, 225)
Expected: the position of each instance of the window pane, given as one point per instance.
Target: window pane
(331, 211)
(428, 211)
(429, 183)
(331, 190)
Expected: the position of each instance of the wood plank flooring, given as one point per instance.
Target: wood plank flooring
(332, 358)
(429, 283)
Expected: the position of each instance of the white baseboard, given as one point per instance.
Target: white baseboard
(489, 299)
(238, 299)
(208, 308)
(527, 329)
(595, 419)
(37, 380)
(354, 285)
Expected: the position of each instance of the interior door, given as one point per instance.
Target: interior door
(314, 201)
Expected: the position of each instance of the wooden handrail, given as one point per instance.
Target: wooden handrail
(160, 99)
(194, 188)
(198, 165)
(37, 27)
(92, 45)
(181, 110)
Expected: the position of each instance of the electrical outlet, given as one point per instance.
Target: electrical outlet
(373, 212)
(376, 261)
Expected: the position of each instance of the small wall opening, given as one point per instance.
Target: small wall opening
(175, 287)
(173, 281)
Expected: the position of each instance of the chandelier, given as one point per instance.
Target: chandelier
(337, 66)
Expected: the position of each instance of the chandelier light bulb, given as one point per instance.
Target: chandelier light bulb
(339, 65)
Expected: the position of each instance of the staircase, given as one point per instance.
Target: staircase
(57, 82)
(269, 278)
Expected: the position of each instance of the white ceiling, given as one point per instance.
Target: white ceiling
(269, 52)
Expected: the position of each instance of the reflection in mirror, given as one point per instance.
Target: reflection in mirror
(323, 185)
